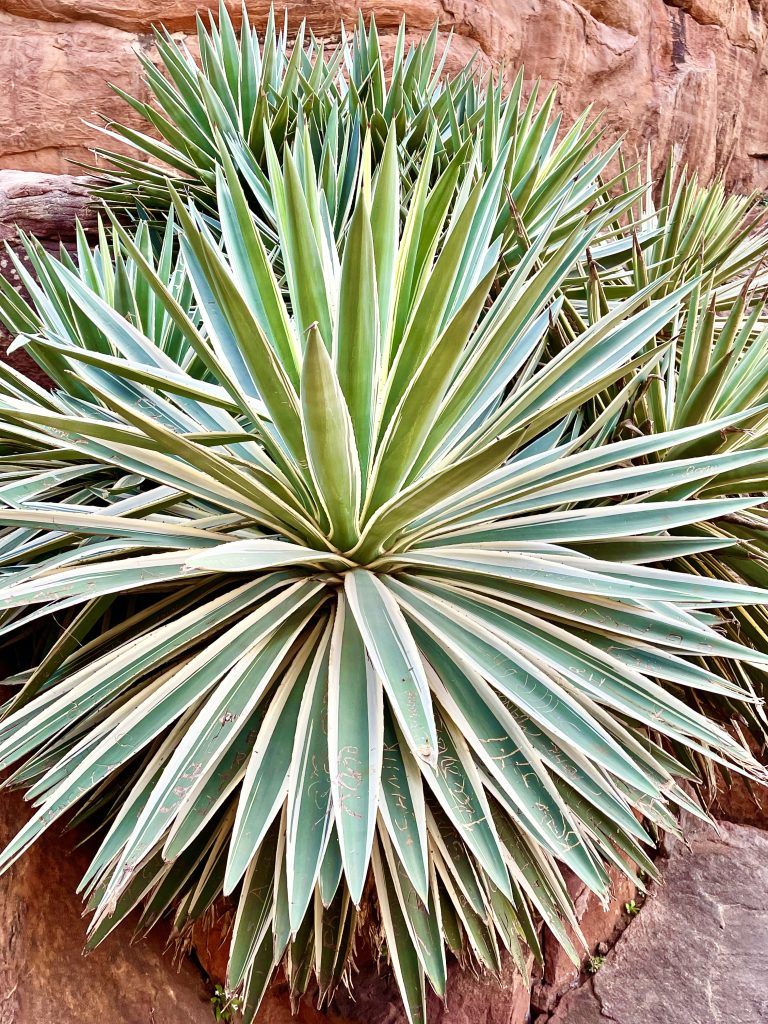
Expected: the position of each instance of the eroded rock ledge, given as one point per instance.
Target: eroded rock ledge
(44, 205)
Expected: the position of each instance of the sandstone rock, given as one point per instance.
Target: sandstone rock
(181, 14)
(44, 978)
(55, 78)
(741, 21)
(697, 951)
(692, 74)
(211, 938)
(482, 1000)
(742, 804)
(599, 925)
(738, 800)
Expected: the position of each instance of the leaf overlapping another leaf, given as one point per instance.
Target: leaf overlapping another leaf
(357, 606)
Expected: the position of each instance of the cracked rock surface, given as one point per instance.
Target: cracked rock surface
(698, 950)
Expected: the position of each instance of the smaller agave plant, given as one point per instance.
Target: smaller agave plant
(116, 276)
(355, 619)
(715, 368)
(697, 229)
(247, 94)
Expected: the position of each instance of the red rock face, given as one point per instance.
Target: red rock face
(688, 74)
(45, 979)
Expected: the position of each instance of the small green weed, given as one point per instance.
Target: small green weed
(594, 964)
(224, 1007)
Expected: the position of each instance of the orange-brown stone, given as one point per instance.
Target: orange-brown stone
(44, 977)
(687, 74)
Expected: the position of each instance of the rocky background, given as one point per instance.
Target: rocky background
(688, 74)
(691, 75)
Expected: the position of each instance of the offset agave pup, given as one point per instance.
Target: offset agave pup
(364, 627)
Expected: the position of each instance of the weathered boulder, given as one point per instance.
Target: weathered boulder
(44, 977)
(685, 73)
(55, 78)
(698, 949)
(45, 205)
(181, 14)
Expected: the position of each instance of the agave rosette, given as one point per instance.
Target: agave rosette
(243, 95)
(363, 607)
(689, 231)
(111, 272)
(715, 368)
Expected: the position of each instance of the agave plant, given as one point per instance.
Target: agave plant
(111, 271)
(693, 231)
(360, 624)
(243, 90)
(244, 96)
